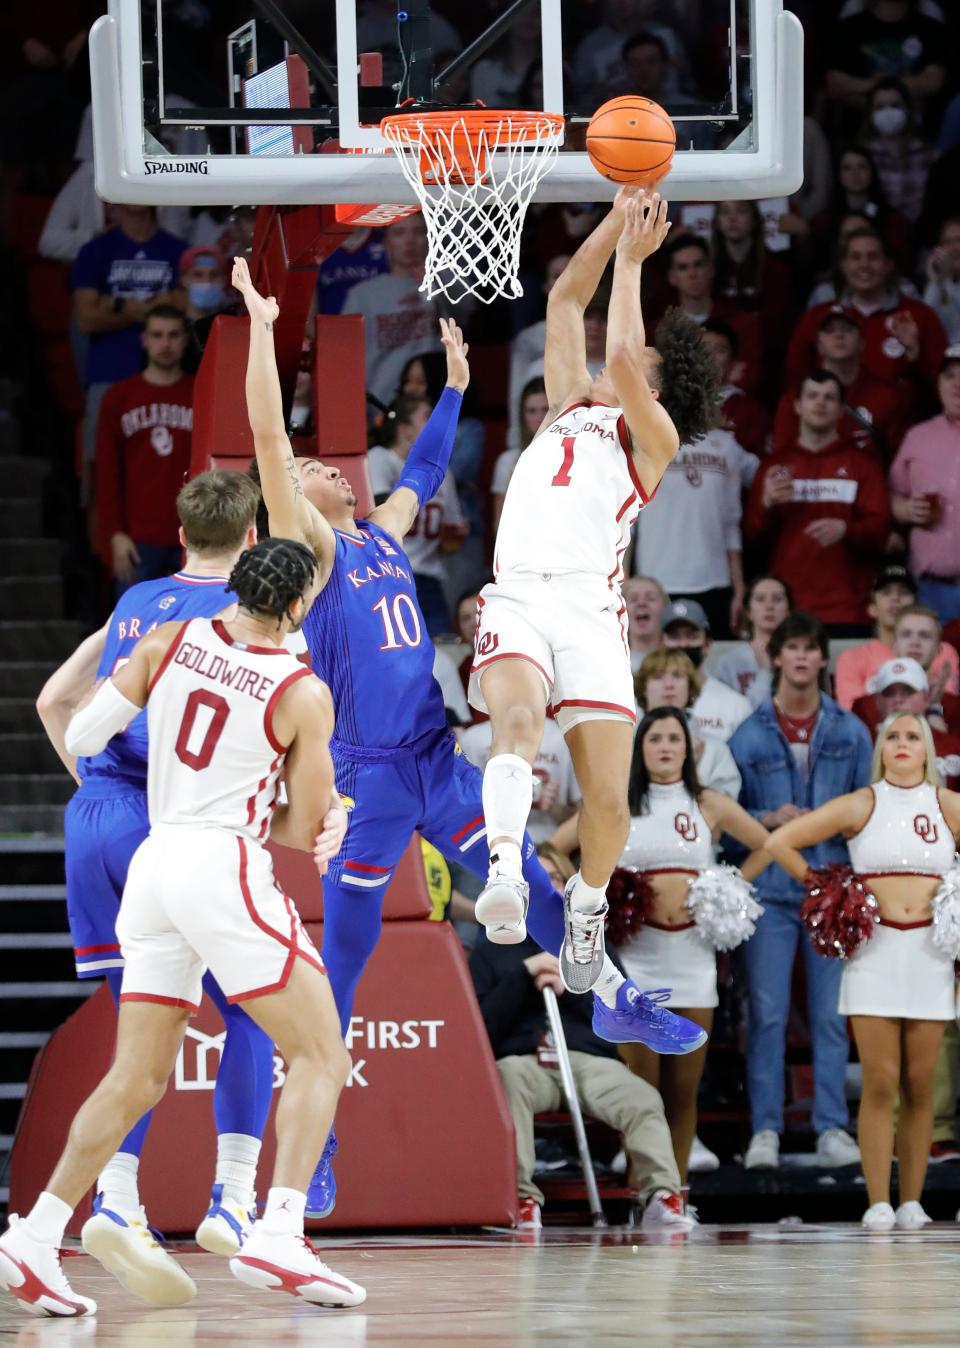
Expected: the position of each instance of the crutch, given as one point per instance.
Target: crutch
(573, 1105)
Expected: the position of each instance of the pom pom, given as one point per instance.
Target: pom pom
(946, 912)
(839, 911)
(723, 906)
(630, 897)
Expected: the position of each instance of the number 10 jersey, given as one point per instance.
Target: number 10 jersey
(573, 499)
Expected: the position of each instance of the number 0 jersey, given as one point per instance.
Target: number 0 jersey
(573, 498)
(368, 642)
(215, 759)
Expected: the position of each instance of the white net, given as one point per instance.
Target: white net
(474, 184)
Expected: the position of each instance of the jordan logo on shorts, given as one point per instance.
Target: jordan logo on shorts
(686, 827)
(924, 829)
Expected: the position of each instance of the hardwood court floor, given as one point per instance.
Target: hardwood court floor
(722, 1287)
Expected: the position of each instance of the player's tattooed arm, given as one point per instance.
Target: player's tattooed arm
(291, 514)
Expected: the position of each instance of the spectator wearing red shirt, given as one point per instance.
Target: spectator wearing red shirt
(873, 413)
(747, 419)
(750, 276)
(691, 274)
(819, 508)
(925, 485)
(917, 637)
(902, 685)
(143, 455)
(903, 339)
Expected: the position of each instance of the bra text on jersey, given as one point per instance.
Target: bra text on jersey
(385, 569)
(219, 669)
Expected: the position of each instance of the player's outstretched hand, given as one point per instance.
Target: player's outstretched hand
(458, 371)
(263, 309)
(645, 226)
(331, 836)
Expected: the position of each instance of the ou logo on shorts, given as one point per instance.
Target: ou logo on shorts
(924, 829)
(488, 643)
(686, 827)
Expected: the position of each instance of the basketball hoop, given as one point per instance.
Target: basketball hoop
(474, 173)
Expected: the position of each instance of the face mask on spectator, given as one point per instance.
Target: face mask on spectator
(695, 654)
(205, 294)
(889, 121)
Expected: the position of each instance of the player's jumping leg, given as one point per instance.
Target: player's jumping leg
(602, 750)
(516, 698)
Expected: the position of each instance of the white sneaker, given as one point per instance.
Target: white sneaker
(31, 1272)
(529, 1218)
(227, 1223)
(665, 1212)
(911, 1216)
(502, 908)
(124, 1244)
(880, 1217)
(836, 1148)
(288, 1263)
(583, 949)
(702, 1158)
(763, 1152)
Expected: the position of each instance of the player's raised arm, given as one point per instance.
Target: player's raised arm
(291, 514)
(668, 397)
(117, 700)
(565, 372)
(429, 456)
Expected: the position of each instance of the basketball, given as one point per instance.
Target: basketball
(631, 140)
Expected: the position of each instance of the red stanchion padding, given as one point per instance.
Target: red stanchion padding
(406, 896)
(340, 387)
(426, 1137)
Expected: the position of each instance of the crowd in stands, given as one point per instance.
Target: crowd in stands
(814, 585)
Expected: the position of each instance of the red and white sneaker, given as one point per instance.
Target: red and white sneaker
(30, 1271)
(528, 1218)
(288, 1263)
(666, 1212)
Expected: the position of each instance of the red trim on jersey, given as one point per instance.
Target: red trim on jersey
(93, 949)
(626, 506)
(906, 926)
(160, 1001)
(252, 802)
(224, 635)
(511, 655)
(584, 402)
(289, 942)
(171, 652)
(466, 828)
(663, 926)
(361, 866)
(896, 875)
(271, 706)
(603, 706)
(360, 542)
(200, 580)
(623, 435)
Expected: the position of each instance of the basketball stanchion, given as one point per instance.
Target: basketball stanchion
(573, 1106)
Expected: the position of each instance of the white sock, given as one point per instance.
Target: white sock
(609, 983)
(237, 1157)
(283, 1214)
(507, 800)
(118, 1182)
(48, 1219)
(587, 898)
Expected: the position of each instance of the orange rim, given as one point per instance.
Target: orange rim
(475, 121)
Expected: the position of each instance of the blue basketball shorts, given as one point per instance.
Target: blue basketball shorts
(102, 830)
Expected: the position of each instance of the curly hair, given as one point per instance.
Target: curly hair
(271, 575)
(689, 384)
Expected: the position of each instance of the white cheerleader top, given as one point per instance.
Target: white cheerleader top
(906, 834)
(672, 836)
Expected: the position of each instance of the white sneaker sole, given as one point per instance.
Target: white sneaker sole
(315, 1288)
(46, 1307)
(158, 1281)
(501, 910)
(217, 1238)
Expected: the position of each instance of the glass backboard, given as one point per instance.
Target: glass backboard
(279, 101)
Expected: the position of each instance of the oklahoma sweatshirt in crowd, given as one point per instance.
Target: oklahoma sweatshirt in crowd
(838, 482)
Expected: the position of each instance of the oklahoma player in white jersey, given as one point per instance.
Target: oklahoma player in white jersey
(552, 627)
(228, 710)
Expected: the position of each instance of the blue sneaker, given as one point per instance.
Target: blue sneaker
(322, 1193)
(226, 1225)
(641, 1018)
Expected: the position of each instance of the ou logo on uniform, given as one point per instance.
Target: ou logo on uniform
(925, 829)
(488, 643)
(686, 827)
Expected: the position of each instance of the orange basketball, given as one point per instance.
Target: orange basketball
(631, 140)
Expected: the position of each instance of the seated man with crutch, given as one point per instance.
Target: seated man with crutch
(514, 983)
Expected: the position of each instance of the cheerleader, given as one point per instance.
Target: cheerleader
(898, 985)
(673, 823)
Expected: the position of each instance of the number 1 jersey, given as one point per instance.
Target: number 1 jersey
(573, 499)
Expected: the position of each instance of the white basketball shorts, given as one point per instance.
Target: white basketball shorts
(199, 898)
(573, 630)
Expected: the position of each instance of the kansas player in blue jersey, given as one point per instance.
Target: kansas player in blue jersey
(105, 823)
(394, 755)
